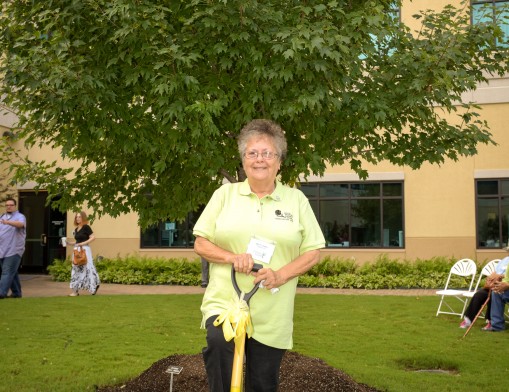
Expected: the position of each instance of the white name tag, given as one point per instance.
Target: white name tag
(261, 250)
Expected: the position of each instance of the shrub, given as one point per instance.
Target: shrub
(329, 266)
(385, 266)
(137, 270)
(382, 273)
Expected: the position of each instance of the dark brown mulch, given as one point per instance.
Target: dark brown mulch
(298, 374)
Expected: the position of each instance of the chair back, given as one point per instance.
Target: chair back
(487, 270)
(464, 267)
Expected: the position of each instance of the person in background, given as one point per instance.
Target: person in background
(12, 247)
(481, 296)
(259, 213)
(83, 277)
(499, 297)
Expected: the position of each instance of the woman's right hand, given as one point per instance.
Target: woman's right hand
(242, 262)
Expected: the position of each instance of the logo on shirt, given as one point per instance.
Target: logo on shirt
(281, 215)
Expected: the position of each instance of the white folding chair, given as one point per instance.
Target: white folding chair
(487, 270)
(465, 268)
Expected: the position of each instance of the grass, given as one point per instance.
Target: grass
(73, 344)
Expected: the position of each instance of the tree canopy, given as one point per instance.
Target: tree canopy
(146, 98)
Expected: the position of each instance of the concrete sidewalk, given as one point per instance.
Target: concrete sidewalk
(44, 286)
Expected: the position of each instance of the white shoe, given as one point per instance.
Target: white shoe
(73, 294)
(465, 324)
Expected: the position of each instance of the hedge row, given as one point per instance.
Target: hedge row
(382, 273)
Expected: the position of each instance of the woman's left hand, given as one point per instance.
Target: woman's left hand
(271, 279)
(274, 279)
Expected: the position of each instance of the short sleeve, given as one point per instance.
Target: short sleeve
(312, 236)
(87, 230)
(206, 225)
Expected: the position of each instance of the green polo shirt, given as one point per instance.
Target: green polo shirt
(232, 217)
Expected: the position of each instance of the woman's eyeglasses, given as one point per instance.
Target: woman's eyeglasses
(265, 155)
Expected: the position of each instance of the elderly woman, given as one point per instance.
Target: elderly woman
(259, 212)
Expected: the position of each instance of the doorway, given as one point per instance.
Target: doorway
(45, 227)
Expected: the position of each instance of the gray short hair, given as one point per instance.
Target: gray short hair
(261, 127)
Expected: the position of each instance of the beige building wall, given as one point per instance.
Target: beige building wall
(412, 7)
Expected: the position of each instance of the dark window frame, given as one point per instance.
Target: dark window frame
(181, 233)
(316, 198)
(491, 233)
(477, 5)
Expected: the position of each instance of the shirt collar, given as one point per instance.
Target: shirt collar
(245, 190)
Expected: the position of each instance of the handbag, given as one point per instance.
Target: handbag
(80, 256)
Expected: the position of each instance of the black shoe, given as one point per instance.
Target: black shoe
(96, 289)
(204, 285)
(13, 296)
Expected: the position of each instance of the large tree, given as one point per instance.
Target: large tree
(146, 97)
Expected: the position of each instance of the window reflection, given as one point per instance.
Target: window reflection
(333, 218)
(492, 11)
(171, 234)
(334, 190)
(492, 215)
(365, 190)
(364, 214)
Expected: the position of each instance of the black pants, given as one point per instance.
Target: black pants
(262, 362)
(476, 303)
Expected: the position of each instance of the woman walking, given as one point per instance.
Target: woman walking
(83, 277)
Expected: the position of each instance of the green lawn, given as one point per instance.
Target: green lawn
(72, 344)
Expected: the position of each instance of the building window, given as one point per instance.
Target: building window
(492, 11)
(170, 234)
(492, 213)
(360, 214)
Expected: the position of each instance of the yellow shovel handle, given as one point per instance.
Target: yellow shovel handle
(238, 365)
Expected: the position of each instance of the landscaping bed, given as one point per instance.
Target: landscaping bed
(298, 373)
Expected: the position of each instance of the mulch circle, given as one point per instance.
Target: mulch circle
(298, 373)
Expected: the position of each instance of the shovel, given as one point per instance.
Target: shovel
(236, 322)
(238, 357)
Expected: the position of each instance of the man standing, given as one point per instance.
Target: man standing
(12, 246)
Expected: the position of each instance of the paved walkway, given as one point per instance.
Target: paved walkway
(44, 286)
